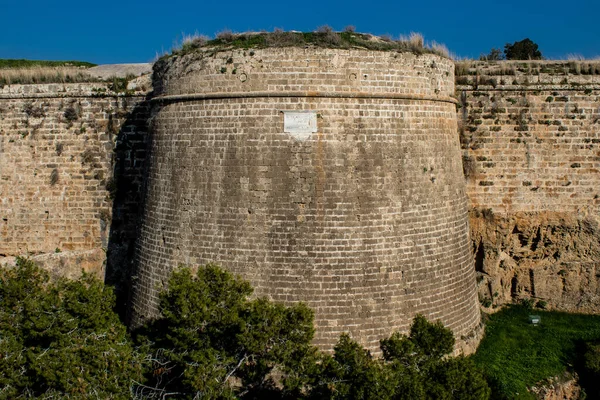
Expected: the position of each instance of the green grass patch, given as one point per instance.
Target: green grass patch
(323, 37)
(516, 354)
(21, 63)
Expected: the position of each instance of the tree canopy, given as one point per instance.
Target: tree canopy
(62, 339)
(493, 55)
(522, 50)
(214, 340)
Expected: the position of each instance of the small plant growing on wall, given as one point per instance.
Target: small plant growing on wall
(541, 304)
(71, 115)
(486, 302)
(54, 177)
(469, 166)
(119, 85)
(89, 157)
(527, 303)
(34, 111)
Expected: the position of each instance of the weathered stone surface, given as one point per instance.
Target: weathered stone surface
(69, 264)
(548, 256)
(107, 71)
(530, 146)
(364, 220)
(70, 174)
(529, 133)
(564, 387)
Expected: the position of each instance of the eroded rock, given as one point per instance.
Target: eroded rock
(550, 257)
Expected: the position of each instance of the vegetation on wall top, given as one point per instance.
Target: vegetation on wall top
(322, 37)
(22, 63)
(36, 71)
(524, 49)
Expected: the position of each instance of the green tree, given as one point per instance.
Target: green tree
(214, 342)
(61, 338)
(522, 50)
(352, 373)
(413, 367)
(493, 55)
(425, 371)
(457, 379)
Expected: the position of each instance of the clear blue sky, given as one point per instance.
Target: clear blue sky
(118, 32)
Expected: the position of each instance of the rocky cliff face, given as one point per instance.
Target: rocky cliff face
(564, 387)
(552, 258)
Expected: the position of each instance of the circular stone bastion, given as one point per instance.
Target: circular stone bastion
(327, 176)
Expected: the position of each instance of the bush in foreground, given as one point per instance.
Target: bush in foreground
(214, 342)
(415, 367)
(61, 339)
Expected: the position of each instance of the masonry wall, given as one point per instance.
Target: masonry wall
(530, 133)
(365, 220)
(59, 147)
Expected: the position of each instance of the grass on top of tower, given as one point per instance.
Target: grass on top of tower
(323, 36)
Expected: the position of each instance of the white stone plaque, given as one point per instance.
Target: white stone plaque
(300, 124)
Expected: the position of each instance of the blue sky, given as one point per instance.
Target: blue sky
(130, 31)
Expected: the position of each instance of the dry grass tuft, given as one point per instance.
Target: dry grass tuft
(281, 38)
(416, 39)
(191, 42)
(440, 49)
(462, 68)
(575, 57)
(41, 74)
(226, 35)
(327, 36)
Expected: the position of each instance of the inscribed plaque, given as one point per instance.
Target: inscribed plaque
(300, 124)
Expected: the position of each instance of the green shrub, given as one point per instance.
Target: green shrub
(413, 367)
(212, 334)
(590, 369)
(527, 303)
(525, 49)
(61, 338)
(22, 63)
(323, 37)
(541, 304)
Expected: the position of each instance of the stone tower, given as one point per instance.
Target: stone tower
(327, 176)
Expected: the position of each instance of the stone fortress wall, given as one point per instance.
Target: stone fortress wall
(65, 149)
(528, 131)
(364, 219)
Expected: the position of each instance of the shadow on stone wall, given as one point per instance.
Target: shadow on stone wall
(127, 189)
